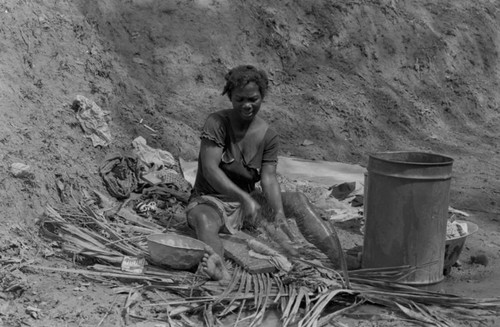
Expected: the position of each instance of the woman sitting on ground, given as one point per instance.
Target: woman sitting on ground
(238, 149)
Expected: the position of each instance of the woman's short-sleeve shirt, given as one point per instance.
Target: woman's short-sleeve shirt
(217, 129)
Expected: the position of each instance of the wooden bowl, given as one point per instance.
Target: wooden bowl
(175, 251)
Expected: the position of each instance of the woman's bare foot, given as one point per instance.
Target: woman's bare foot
(213, 265)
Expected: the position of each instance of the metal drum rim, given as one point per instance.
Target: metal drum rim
(447, 160)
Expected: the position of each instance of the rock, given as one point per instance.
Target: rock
(20, 170)
(307, 143)
(480, 259)
(138, 61)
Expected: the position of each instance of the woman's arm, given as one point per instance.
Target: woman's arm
(272, 190)
(210, 156)
(279, 231)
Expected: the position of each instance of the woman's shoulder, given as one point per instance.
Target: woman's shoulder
(271, 135)
(218, 117)
(264, 128)
(260, 124)
(270, 132)
(224, 113)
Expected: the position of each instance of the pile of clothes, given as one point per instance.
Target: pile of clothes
(148, 180)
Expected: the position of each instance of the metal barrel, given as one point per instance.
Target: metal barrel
(406, 210)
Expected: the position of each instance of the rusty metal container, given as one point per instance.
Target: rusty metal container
(406, 210)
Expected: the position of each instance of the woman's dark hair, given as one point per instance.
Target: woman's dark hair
(242, 75)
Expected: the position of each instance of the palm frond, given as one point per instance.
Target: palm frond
(242, 281)
(303, 295)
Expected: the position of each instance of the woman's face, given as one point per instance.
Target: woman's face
(246, 101)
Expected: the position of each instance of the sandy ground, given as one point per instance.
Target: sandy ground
(351, 78)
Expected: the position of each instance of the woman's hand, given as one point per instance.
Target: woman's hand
(280, 219)
(250, 209)
(280, 222)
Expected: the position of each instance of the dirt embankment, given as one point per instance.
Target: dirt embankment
(352, 77)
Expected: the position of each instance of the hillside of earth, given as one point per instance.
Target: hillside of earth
(348, 79)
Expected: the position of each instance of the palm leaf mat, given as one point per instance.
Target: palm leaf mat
(311, 294)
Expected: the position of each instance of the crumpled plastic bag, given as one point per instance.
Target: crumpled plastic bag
(119, 175)
(93, 119)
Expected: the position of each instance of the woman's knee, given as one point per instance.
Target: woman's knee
(204, 217)
(294, 198)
